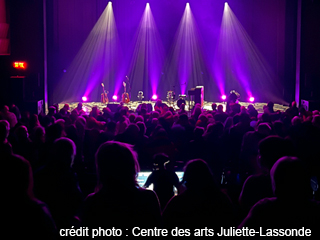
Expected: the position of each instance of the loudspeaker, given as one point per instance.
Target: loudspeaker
(34, 107)
(199, 95)
(113, 106)
(310, 105)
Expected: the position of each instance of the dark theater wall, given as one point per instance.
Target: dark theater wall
(310, 50)
(26, 44)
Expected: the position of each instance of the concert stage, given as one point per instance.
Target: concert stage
(87, 106)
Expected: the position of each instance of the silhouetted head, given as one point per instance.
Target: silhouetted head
(4, 130)
(111, 126)
(236, 119)
(39, 134)
(251, 107)
(21, 133)
(52, 110)
(139, 119)
(197, 175)
(272, 148)
(53, 132)
(198, 132)
(64, 151)
(264, 129)
(132, 118)
(34, 120)
(316, 121)
(19, 182)
(159, 160)
(296, 121)
(158, 103)
(5, 109)
(154, 114)
(117, 165)
(79, 106)
(142, 128)
(270, 105)
(183, 118)
(214, 106)
(290, 179)
(278, 127)
(244, 118)
(266, 117)
(197, 111)
(132, 130)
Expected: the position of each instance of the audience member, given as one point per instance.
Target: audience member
(163, 180)
(24, 215)
(118, 201)
(291, 208)
(202, 204)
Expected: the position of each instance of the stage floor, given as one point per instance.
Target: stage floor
(87, 106)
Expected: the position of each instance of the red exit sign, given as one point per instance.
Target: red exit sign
(20, 65)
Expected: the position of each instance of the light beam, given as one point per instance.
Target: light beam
(147, 58)
(238, 64)
(97, 61)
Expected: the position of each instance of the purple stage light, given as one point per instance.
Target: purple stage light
(115, 97)
(154, 97)
(251, 99)
(223, 97)
(84, 99)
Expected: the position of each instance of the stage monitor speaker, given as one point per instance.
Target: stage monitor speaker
(310, 105)
(34, 107)
(113, 106)
(149, 107)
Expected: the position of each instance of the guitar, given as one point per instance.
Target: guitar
(104, 95)
(125, 95)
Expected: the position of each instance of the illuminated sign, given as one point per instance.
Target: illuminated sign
(20, 65)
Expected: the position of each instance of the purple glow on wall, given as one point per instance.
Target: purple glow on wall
(147, 58)
(238, 63)
(96, 62)
(186, 61)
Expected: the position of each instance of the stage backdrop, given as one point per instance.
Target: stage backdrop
(269, 24)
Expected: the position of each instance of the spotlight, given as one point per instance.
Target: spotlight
(251, 99)
(110, 3)
(223, 97)
(154, 97)
(187, 5)
(115, 97)
(84, 99)
(226, 7)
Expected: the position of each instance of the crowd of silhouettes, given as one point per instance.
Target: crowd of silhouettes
(72, 168)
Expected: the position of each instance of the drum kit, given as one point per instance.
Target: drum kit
(171, 96)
